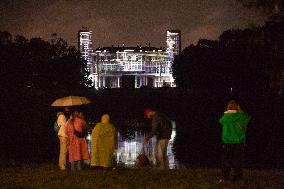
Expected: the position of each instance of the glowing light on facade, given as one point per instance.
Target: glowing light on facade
(173, 44)
(142, 66)
(145, 66)
(86, 49)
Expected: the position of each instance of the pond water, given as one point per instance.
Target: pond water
(129, 149)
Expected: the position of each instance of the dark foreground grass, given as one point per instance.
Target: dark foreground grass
(48, 176)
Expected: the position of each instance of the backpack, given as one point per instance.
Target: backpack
(82, 134)
(55, 126)
(142, 160)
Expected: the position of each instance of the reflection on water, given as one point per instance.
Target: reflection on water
(129, 149)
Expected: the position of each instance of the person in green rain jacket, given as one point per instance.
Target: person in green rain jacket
(104, 143)
(234, 124)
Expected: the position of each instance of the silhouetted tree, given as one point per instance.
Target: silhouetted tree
(5, 38)
(240, 60)
(33, 73)
(38, 64)
(269, 6)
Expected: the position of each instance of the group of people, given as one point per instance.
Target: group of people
(72, 136)
(73, 144)
(234, 122)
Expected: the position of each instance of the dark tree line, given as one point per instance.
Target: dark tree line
(251, 62)
(38, 64)
(249, 59)
(33, 74)
(268, 6)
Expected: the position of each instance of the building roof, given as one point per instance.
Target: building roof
(135, 49)
(174, 31)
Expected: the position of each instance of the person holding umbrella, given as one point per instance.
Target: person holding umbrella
(78, 147)
(66, 102)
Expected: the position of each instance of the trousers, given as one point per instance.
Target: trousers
(63, 152)
(161, 156)
(232, 158)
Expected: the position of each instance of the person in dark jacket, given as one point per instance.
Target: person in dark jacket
(234, 123)
(162, 129)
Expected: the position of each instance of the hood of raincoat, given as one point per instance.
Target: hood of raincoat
(231, 116)
(105, 118)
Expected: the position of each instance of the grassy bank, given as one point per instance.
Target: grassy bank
(48, 176)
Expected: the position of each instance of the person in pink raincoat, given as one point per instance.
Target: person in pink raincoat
(78, 148)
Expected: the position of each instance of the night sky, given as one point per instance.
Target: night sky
(131, 22)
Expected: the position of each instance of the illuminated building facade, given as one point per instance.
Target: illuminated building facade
(132, 67)
(173, 44)
(86, 48)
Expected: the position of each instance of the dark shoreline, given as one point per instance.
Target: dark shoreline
(26, 132)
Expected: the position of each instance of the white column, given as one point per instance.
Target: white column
(118, 81)
(146, 82)
(104, 81)
(95, 82)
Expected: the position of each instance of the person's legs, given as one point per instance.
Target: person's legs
(226, 161)
(238, 161)
(63, 152)
(79, 164)
(76, 165)
(157, 154)
(164, 156)
(85, 164)
(161, 154)
(72, 166)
